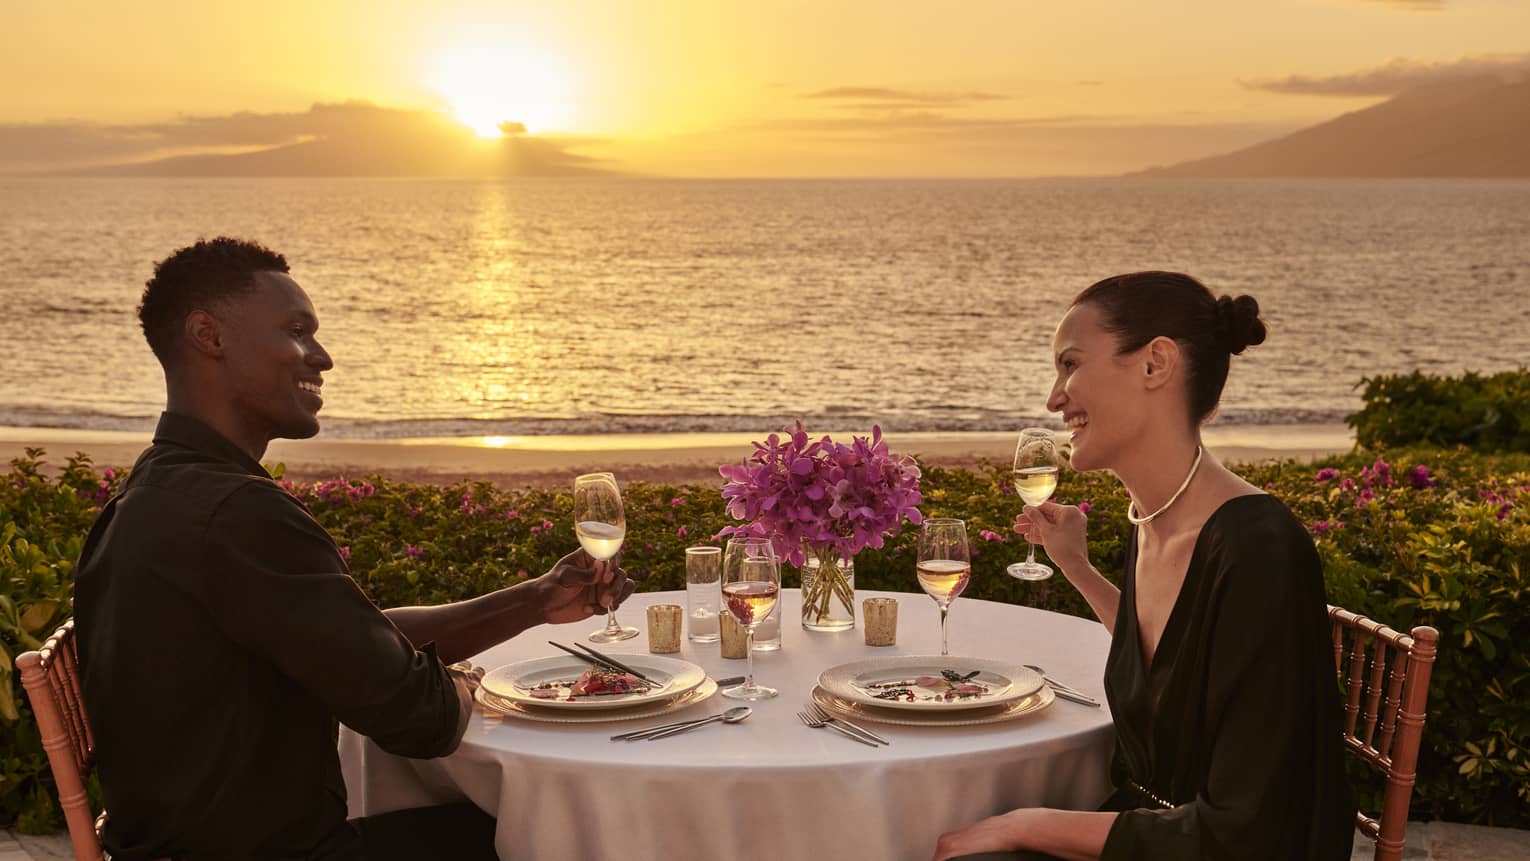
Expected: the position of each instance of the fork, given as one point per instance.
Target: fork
(821, 713)
(819, 723)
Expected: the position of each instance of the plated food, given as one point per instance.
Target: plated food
(930, 683)
(566, 682)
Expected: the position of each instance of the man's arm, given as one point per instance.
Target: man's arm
(576, 588)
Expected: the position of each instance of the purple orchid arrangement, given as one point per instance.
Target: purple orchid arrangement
(821, 497)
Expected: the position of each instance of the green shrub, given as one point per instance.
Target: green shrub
(1431, 537)
(1489, 414)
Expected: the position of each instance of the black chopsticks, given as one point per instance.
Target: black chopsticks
(597, 658)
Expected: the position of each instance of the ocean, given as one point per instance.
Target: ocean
(546, 306)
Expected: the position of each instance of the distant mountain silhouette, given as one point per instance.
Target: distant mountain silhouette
(1473, 128)
(362, 140)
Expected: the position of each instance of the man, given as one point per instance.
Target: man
(221, 635)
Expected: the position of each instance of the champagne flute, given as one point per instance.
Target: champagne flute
(944, 565)
(1037, 463)
(751, 592)
(601, 526)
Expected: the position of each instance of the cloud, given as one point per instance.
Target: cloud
(1399, 75)
(357, 127)
(884, 98)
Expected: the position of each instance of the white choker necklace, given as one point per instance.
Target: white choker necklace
(1138, 521)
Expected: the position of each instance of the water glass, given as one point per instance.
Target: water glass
(767, 635)
(703, 593)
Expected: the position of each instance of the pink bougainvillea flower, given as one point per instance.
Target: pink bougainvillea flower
(1085, 507)
(1419, 478)
(1327, 473)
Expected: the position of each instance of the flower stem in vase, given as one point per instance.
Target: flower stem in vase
(828, 600)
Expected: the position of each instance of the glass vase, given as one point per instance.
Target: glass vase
(828, 591)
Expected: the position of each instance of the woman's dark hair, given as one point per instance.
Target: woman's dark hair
(198, 277)
(1140, 306)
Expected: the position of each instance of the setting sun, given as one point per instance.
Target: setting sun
(487, 85)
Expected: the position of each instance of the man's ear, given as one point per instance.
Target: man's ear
(1160, 361)
(204, 333)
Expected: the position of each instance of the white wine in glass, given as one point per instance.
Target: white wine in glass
(600, 523)
(1037, 464)
(944, 565)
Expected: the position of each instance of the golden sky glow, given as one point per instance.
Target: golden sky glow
(981, 87)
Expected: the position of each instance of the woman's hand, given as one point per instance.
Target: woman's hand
(1061, 529)
(994, 834)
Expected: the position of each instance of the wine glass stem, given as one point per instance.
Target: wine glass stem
(749, 658)
(943, 649)
(611, 626)
(1030, 555)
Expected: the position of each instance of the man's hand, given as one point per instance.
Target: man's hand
(578, 587)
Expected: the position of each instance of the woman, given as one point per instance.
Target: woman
(1220, 675)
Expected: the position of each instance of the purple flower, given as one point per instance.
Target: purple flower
(1327, 473)
(413, 552)
(1347, 485)
(990, 535)
(682, 532)
(821, 495)
(109, 473)
(1085, 507)
(1365, 498)
(547, 525)
(512, 514)
(1503, 511)
(345, 552)
(679, 500)
(1419, 478)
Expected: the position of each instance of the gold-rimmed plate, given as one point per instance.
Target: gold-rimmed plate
(510, 708)
(1011, 710)
(861, 681)
(515, 682)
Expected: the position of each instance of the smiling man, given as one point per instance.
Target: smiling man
(221, 635)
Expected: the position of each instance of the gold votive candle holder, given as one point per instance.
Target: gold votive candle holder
(735, 640)
(664, 628)
(880, 621)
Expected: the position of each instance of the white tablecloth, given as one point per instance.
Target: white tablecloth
(768, 787)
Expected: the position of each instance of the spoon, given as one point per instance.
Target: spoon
(733, 715)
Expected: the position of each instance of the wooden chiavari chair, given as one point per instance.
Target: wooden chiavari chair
(1385, 679)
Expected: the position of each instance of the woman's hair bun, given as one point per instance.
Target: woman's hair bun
(1239, 323)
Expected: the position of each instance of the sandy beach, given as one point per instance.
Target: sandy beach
(668, 458)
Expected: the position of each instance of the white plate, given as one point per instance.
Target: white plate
(853, 681)
(966, 717)
(500, 706)
(514, 682)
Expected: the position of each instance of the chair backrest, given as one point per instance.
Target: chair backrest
(51, 678)
(1385, 679)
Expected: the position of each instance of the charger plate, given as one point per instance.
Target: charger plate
(513, 682)
(510, 708)
(1011, 710)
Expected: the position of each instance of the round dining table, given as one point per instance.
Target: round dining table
(769, 786)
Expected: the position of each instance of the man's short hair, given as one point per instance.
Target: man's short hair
(198, 277)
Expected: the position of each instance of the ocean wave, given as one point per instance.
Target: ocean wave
(833, 422)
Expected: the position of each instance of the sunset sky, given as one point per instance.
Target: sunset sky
(700, 88)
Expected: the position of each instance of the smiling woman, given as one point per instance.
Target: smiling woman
(488, 85)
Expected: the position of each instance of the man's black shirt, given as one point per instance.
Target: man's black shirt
(221, 636)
